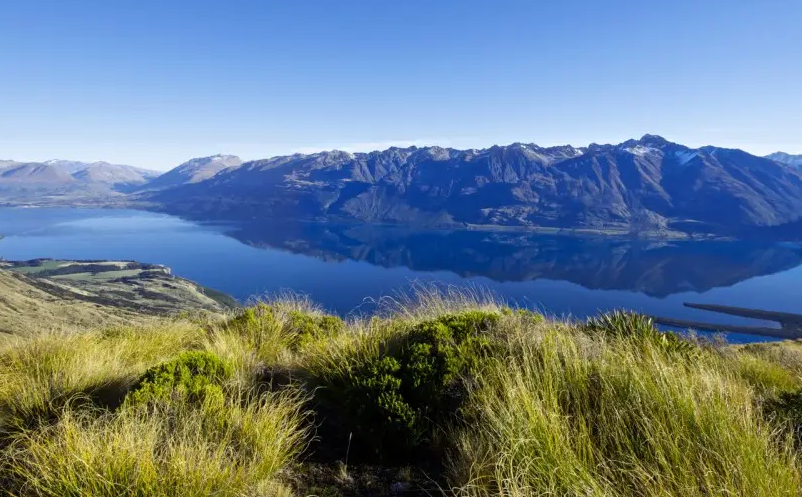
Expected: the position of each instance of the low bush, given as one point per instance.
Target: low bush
(191, 376)
(395, 401)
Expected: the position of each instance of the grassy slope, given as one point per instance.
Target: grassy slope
(30, 302)
(553, 409)
(26, 309)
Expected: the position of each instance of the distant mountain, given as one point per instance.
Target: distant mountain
(791, 160)
(194, 171)
(649, 184)
(104, 172)
(69, 178)
(71, 166)
(8, 163)
(114, 174)
(36, 174)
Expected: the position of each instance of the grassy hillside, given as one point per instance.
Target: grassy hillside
(56, 294)
(452, 395)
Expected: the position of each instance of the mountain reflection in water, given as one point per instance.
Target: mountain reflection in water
(654, 268)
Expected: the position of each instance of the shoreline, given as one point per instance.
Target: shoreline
(666, 235)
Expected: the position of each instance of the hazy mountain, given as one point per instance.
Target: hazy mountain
(22, 183)
(71, 166)
(54, 178)
(114, 174)
(35, 173)
(791, 160)
(194, 171)
(647, 184)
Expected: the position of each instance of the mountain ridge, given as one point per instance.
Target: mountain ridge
(67, 177)
(640, 185)
(650, 183)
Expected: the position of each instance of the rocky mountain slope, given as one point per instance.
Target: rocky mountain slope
(647, 184)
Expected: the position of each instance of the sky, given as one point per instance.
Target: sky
(155, 83)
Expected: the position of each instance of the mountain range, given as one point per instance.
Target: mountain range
(69, 178)
(638, 186)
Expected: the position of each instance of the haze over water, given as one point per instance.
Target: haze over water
(345, 268)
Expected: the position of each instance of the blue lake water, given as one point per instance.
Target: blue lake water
(343, 267)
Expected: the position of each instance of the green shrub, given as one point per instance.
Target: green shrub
(306, 328)
(628, 324)
(398, 399)
(193, 376)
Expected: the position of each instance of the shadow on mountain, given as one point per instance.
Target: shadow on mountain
(657, 269)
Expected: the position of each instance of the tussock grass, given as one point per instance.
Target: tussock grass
(225, 448)
(545, 407)
(426, 301)
(567, 414)
(39, 375)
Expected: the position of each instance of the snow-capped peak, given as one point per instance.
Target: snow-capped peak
(639, 150)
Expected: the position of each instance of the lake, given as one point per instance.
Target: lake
(345, 268)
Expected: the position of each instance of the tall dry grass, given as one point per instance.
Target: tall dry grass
(564, 413)
(558, 410)
(229, 448)
(42, 373)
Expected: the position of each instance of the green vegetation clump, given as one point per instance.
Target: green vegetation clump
(192, 376)
(397, 398)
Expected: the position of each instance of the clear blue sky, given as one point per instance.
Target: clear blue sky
(153, 83)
